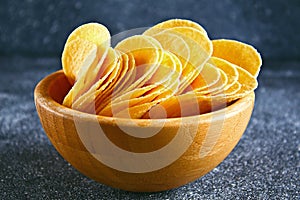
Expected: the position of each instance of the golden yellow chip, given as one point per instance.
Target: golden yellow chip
(238, 53)
(168, 72)
(205, 52)
(91, 33)
(143, 105)
(175, 44)
(248, 83)
(208, 77)
(159, 85)
(199, 37)
(233, 89)
(185, 105)
(83, 57)
(108, 72)
(103, 98)
(172, 84)
(78, 55)
(175, 23)
(147, 53)
(229, 69)
(215, 86)
(122, 68)
(195, 103)
(135, 112)
(191, 46)
(221, 83)
(130, 99)
(166, 77)
(129, 76)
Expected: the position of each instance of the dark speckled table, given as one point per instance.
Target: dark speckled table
(265, 163)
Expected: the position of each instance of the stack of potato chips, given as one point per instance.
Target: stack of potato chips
(172, 70)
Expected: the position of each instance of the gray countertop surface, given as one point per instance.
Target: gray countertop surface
(265, 163)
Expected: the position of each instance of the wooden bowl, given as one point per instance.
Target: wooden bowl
(143, 155)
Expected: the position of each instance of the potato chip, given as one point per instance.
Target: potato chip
(175, 23)
(205, 52)
(199, 50)
(147, 53)
(221, 83)
(238, 53)
(167, 76)
(248, 84)
(168, 73)
(188, 104)
(130, 99)
(171, 107)
(175, 44)
(122, 69)
(162, 83)
(84, 57)
(199, 37)
(233, 89)
(209, 76)
(78, 55)
(135, 112)
(215, 86)
(106, 76)
(229, 69)
(129, 76)
(92, 33)
(138, 110)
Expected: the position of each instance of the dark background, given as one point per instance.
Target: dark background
(40, 28)
(265, 164)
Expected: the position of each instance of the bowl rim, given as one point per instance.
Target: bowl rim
(44, 99)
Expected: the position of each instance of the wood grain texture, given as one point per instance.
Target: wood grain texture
(212, 137)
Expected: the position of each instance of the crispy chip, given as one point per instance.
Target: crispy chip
(130, 99)
(105, 76)
(215, 86)
(147, 53)
(175, 23)
(233, 89)
(78, 55)
(175, 44)
(248, 84)
(135, 112)
(238, 53)
(208, 77)
(91, 33)
(229, 69)
(84, 58)
(185, 105)
(129, 75)
(196, 55)
(158, 87)
(122, 69)
(127, 78)
(191, 46)
(168, 73)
